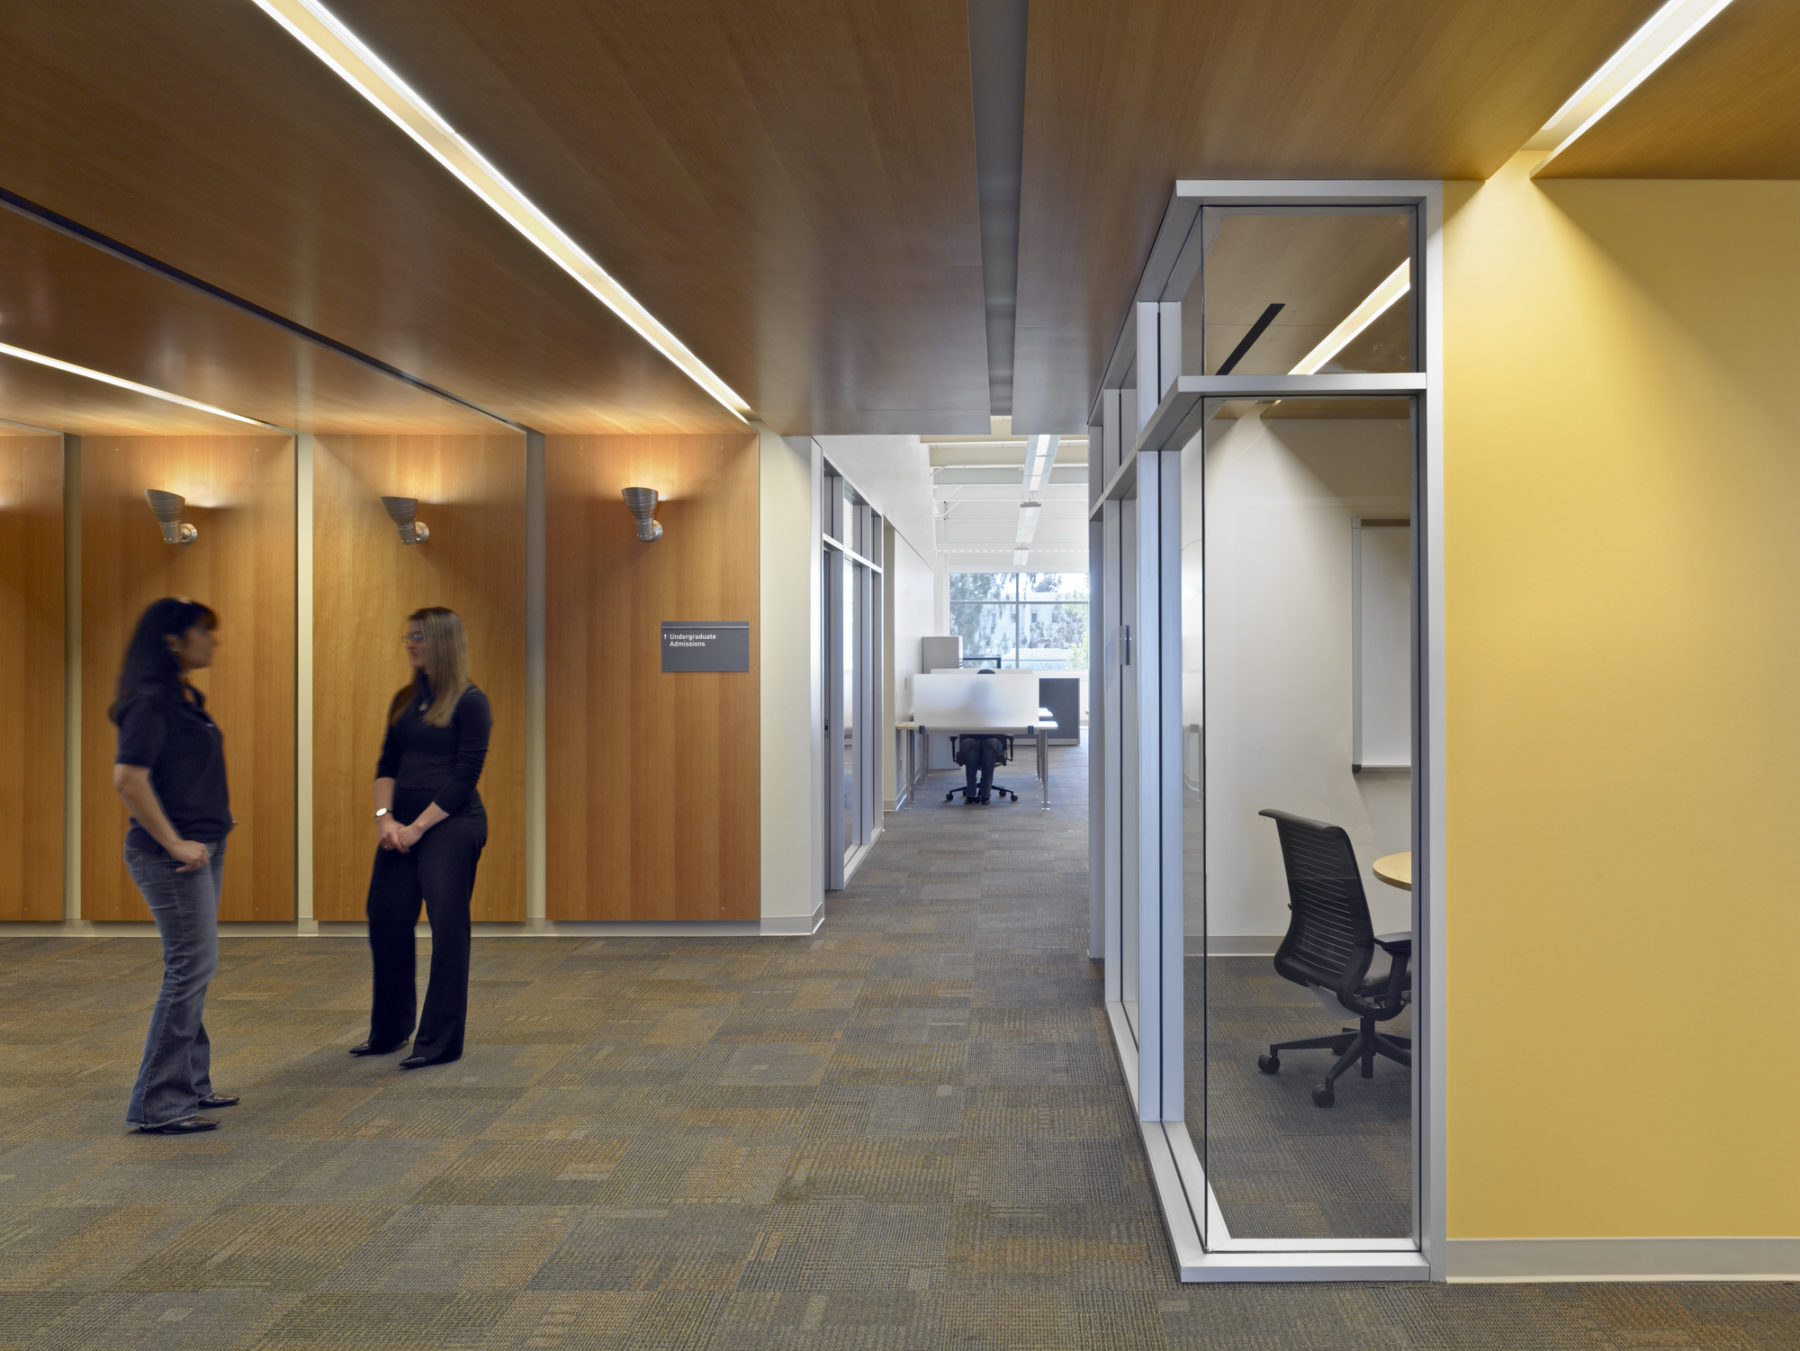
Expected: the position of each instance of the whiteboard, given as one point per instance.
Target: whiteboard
(1381, 644)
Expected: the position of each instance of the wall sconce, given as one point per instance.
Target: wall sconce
(167, 507)
(401, 510)
(642, 502)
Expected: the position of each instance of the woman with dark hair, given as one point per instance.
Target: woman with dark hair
(170, 770)
(437, 739)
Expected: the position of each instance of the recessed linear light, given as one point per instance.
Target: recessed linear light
(1378, 303)
(1666, 32)
(1038, 459)
(326, 37)
(1028, 522)
(7, 349)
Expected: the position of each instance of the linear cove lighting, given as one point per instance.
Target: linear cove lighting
(1378, 303)
(7, 349)
(1666, 32)
(326, 37)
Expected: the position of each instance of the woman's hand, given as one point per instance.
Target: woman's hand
(409, 836)
(190, 854)
(388, 832)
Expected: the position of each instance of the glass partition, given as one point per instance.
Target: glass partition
(1297, 662)
(1301, 291)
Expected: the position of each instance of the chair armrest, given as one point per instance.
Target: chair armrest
(1398, 944)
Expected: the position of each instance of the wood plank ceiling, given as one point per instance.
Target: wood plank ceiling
(1725, 106)
(789, 186)
(203, 135)
(1121, 100)
(64, 298)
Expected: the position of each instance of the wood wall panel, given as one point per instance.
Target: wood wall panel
(653, 801)
(471, 492)
(240, 492)
(31, 678)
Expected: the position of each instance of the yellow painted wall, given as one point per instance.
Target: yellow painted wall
(1622, 526)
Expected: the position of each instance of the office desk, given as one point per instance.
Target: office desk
(1394, 869)
(1039, 730)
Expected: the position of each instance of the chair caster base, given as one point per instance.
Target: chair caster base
(1269, 1064)
(1324, 1095)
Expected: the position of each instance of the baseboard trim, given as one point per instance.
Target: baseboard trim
(1232, 945)
(777, 927)
(1622, 1259)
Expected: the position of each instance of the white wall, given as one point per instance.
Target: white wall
(1280, 495)
(911, 615)
(893, 473)
(792, 703)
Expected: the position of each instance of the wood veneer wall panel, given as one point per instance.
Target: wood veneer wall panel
(471, 492)
(31, 678)
(240, 492)
(652, 802)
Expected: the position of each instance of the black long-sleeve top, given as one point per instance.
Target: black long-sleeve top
(436, 764)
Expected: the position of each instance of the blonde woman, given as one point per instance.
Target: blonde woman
(430, 828)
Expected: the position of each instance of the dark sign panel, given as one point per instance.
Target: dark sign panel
(723, 646)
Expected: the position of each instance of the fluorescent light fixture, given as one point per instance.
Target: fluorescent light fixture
(1667, 32)
(1378, 303)
(1028, 521)
(7, 349)
(323, 34)
(1039, 456)
(1019, 557)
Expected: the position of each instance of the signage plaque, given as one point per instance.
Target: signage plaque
(723, 645)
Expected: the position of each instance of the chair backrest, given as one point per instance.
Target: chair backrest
(1330, 939)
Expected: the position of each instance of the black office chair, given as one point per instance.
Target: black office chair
(1331, 948)
(1005, 759)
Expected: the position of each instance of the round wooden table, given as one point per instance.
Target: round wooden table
(1395, 869)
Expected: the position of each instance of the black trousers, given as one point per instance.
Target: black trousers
(440, 870)
(980, 754)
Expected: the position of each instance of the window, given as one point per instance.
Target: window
(1034, 620)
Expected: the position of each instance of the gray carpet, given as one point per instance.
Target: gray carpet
(906, 1131)
(1281, 1167)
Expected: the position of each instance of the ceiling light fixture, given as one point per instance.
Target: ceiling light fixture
(6, 349)
(326, 37)
(1666, 32)
(1378, 303)
(1028, 521)
(1039, 456)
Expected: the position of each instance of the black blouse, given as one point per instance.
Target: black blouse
(179, 743)
(436, 764)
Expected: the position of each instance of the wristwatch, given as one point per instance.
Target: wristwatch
(380, 812)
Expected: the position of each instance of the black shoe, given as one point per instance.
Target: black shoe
(984, 799)
(414, 1062)
(370, 1048)
(213, 1101)
(188, 1125)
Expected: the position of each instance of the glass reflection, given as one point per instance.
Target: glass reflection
(1300, 292)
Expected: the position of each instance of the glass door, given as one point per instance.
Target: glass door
(1297, 660)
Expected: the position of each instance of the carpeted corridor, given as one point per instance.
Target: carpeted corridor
(906, 1131)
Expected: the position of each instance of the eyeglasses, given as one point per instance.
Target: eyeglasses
(412, 639)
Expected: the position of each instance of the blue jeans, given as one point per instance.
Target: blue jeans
(177, 1068)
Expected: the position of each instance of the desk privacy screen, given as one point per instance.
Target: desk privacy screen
(954, 700)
